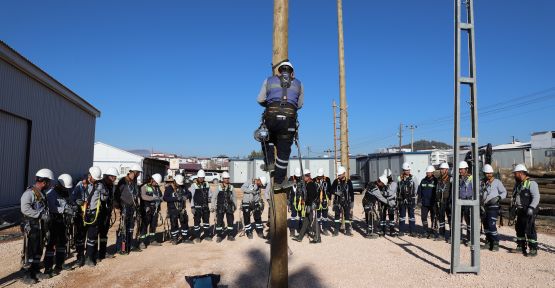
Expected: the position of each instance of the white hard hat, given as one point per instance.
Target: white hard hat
(179, 179)
(320, 172)
(263, 180)
(112, 172)
(157, 177)
(430, 169)
(406, 166)
(444, 166)
(201, 174)
(297, 172)
(95, 172)
(487, 169)
(520, 167)
(136, 167)
(306, 172)
(387, 172)
(285, 64)
(225, 175)
(341, 170)
(66, 181)
(463, 164)
(383, 179)
(45, 173)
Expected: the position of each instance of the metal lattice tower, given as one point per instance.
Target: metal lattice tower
(465, 26)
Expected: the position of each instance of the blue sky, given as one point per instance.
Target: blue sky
(182, 76)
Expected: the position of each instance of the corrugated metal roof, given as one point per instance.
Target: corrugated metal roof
(517, 145)
(13, 57)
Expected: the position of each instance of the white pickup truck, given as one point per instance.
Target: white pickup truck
(210, 177)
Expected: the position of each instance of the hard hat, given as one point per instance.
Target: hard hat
(306, 172)
(297, 172)
(320, 172)
(406, 166)
(136, 167)
(66, 181)
(430, 169)
(179, 179)
(285, 64)
(95, 172)
(383, 179)
(444, 166)
(263, 180)
(157, 177)
(463, 164)
(45, 173)
(341, 170)
(112, 172)
(520, 167)
(225, 175)
(487, 169)
(387, 172)
(200, 174)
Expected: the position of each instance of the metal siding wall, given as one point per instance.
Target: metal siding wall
(13, 155)
(62, 134)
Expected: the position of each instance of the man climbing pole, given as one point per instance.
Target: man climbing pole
(281, 95)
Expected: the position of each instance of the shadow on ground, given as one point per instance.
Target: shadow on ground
(257, 272)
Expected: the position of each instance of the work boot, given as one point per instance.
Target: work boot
(291, 232)
(28, 279)
(325, 232)
(533, 252)
(230, 238)
(208, 238)
(260, 234)
(401, 234)
(186, 240)
(249, 235)
(174, 242)
(283, 185)
(81, 261)
(393, 234)
(155, 243)
(495, 246)
(412, 234)
(298, 239)
(197, 240)
(313, 241)
(89, 262)
(380, 234)
(57, 270)
(373, 235)
(142, 246)
(348, 232)
(47, 274)
(218, 239)
(486, 245)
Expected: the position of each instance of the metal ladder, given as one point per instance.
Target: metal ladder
(465, 25)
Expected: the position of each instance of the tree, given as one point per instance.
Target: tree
(428, 145)
(256, 154)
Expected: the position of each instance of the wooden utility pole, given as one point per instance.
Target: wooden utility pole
(336, 160)
(342, 93)
(278, 249)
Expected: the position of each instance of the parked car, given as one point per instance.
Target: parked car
(210, 177)
(358, 186)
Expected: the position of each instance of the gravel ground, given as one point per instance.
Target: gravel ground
(336, 262)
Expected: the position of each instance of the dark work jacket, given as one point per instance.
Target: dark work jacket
(427, 191)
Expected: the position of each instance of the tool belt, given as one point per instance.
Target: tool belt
(277, 108)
